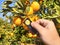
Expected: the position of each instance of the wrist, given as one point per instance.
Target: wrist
(56, 42)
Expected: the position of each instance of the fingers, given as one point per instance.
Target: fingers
(43, 22)
(47, 24)
(38, 27)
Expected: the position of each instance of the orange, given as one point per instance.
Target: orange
(30, 35)
(29, 10)
(33, 18)
(14, 18)
(17, 21)
(34, 36)
(35, 5)
(58, 25)
(25, 27)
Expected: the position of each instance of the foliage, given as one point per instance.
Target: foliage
(49, 9)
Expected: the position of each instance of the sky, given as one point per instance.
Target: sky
(1, 14)
(1, 1)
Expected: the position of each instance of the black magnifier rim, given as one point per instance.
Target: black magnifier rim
(29, 20)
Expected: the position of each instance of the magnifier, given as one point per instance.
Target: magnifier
(28, 23)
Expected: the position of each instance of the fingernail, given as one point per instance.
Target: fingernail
(32, 24)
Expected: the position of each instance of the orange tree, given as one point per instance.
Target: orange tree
(23, 13)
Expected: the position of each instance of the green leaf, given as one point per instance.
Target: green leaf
(50, 17)
(20, 3)
(23, 38)
(15, 10)
(57, 2)
(23, 1)
(4, 6)
(58, 20)
(57, 9)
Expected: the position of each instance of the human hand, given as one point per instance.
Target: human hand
(47, 31)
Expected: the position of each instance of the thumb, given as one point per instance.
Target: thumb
(38, 27)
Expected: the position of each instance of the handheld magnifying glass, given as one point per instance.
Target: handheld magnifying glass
(28, 23)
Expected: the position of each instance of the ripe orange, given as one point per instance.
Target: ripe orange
(17, 21)
(30, 35)
(29, 10)
(33, 18)
(34, 36)
(35, 5)
(58, 25)
(25, 27)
